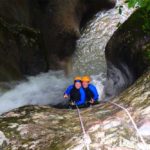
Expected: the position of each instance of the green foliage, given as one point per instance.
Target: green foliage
(139, 3)
(147, 55)
(145, 15)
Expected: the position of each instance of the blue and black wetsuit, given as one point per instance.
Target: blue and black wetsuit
(91, 93)
(76, 95)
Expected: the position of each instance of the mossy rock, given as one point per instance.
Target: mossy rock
(43, 127)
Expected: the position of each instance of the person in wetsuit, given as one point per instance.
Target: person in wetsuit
(90, 91)
(76, 93)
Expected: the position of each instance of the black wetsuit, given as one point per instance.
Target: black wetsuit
(74, 94)
(89, 94)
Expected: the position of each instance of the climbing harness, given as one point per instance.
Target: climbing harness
(133, 122)
(86, 137)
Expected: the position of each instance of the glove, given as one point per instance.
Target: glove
(72, 103)
(91, 101)
(65, 96)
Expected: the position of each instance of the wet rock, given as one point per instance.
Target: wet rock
(110, 124)
(145, 129)
(108, 127)
(126, 54)
(37, 35)
(3, 139)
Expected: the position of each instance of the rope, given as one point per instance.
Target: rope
(133, 122)
(85, 135)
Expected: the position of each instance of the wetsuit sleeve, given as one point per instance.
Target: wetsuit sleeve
(82, 98)
(68, 90)
(94, 91)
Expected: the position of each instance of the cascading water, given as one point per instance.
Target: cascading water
(48, 88)
(45, 88)
(89, 57)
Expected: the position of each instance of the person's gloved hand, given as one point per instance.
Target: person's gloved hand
(72, 103)
(65, 96)
(92, 101)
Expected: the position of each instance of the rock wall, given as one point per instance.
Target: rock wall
(109, 127)
(125, 54)
(39, 35)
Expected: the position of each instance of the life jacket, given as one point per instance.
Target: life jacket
(89, 94)
(75, 94)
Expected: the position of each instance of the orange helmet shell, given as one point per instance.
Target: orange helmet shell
(86, 79)
(77, 78)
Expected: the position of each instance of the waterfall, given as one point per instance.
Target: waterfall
(89, 57)
(48, 88)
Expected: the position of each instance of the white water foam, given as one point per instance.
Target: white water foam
(43, 89)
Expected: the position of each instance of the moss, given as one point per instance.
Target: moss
(146, 53)
(54, 145)
(103, 115)
(14, 40)
(67, 126)
(29, 35)
(136, 20)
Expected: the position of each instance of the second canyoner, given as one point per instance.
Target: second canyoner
(82, 93)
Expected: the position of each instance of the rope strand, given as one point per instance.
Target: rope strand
(85, 135)
(133, 122)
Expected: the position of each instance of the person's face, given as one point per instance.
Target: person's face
(85, 84)
(77, 85)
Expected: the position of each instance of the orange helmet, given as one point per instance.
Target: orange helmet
(86, 79)
(77, 78)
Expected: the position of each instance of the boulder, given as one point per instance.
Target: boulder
(126, 54)
(108, 126)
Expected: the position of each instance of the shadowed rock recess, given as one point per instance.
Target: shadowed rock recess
(39, 35)
(126, 54)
